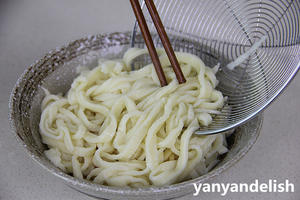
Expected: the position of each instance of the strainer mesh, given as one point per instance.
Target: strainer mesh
(222, 30)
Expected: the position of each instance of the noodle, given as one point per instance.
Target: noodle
(119, 127)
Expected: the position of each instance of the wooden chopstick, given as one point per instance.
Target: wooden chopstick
(148, 40)
(165, 40)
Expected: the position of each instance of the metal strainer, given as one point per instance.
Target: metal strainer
(219, 32)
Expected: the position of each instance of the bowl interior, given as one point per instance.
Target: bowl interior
(56, 72)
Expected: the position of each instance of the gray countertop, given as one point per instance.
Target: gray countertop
(29, 29)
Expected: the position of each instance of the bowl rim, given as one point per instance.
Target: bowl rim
(84, 184)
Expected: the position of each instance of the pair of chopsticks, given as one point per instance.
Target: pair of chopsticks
(149, 42)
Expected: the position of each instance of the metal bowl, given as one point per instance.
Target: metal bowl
(56, 71)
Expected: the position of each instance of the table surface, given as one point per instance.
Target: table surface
(29, 29)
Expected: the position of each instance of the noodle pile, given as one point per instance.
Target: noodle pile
(119, 127)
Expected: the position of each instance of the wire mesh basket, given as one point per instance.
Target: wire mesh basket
(220, 32)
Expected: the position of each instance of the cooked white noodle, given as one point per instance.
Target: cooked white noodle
(119, 127)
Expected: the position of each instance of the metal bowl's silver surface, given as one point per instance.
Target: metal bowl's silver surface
(56, 72)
